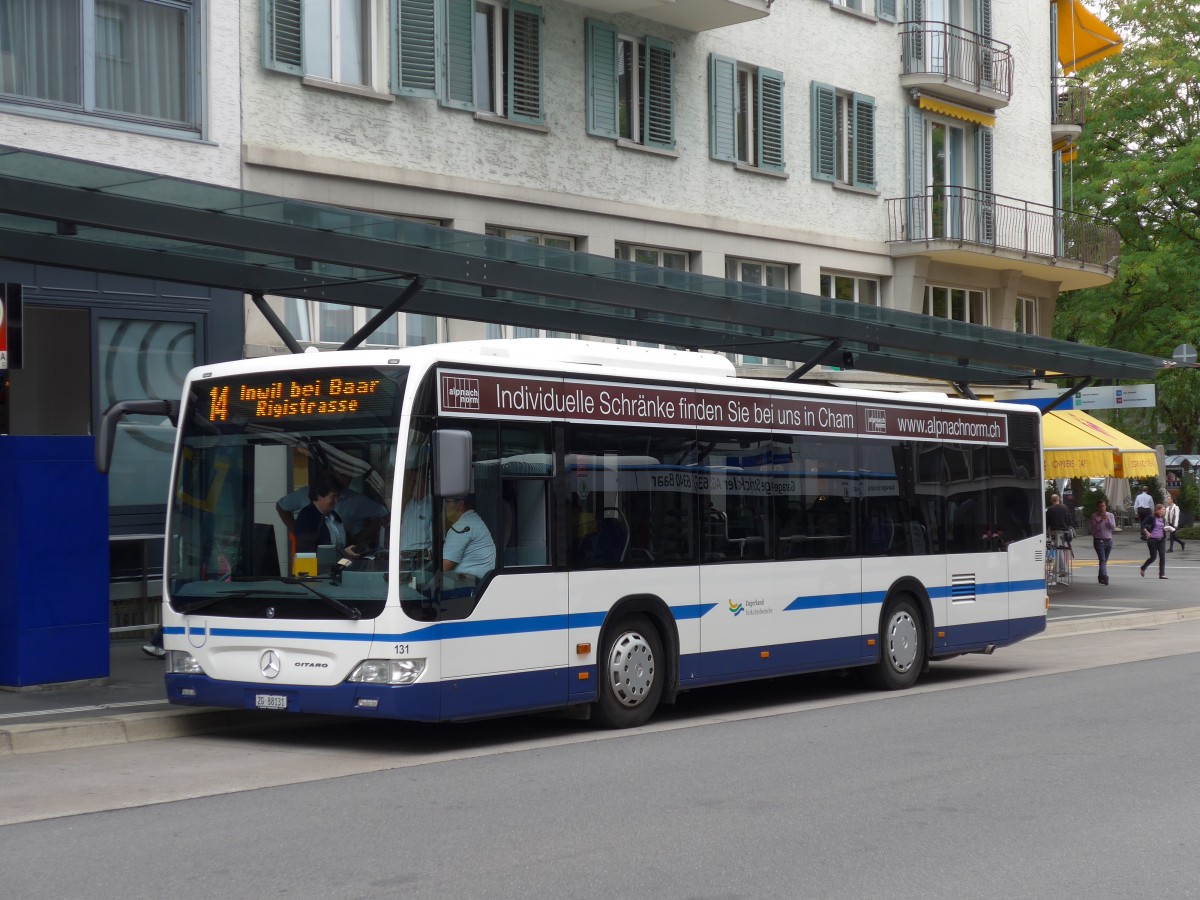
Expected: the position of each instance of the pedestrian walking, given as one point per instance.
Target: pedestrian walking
(1154, 530)
(1102, 524)
(1171, 524)
(1143, 507)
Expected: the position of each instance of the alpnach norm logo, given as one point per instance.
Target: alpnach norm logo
(460, 393)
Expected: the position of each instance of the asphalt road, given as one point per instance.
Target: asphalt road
(1062, 767)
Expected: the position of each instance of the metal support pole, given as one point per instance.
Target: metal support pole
(275, 322)
(384, 314)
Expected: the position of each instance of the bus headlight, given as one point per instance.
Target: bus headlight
(387, 671)
(180, 662)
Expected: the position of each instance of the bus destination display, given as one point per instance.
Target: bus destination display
(316, 396)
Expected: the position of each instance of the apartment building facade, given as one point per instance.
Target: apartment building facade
(882, 152)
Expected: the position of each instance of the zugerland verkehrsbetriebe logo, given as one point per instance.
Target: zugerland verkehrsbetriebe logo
(460, 393)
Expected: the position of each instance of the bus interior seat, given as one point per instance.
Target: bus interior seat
(264, 552)
(609, 543)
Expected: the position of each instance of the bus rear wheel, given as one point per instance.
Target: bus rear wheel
(631, 674)
(901, 647)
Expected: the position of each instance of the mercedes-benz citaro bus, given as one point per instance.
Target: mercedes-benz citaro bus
(458, 531)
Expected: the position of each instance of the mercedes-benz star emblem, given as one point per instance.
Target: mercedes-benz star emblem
(269, 662)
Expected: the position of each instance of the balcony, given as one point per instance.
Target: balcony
(1068, 112)
(950, 62)
(690, 15)
(967, 227)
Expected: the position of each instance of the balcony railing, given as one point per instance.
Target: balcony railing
(966, 216)
(1070, 101)
(948, 53)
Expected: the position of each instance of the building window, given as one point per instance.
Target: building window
(330, 39)
(131, 60)
(630, 87)
(752, 271)
(853, 288)
(745, 113)
(556, 241)
(678, 260)
(540, 239)
(956, 303)
(478, 55)
(843, 136)
(334, 323)
(337, 40)
(655, 256)
(1026, 316)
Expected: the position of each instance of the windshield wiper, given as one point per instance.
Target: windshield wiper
(232, 595)
(348, 611)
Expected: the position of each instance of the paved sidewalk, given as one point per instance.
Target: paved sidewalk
(132, 705)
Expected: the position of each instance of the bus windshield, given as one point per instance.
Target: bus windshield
(281, 500)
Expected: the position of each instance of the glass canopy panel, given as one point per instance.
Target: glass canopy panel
(679, 287)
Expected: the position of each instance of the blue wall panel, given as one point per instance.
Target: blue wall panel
(54, 605)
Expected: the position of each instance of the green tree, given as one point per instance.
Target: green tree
(1139, 167)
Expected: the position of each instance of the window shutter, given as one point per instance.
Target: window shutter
(824, 132)
(916, 37)
(864, 141)
(658, 120)
(601, 67)
(282, 35)
(914, 138)
(458, 80)
(722, 108)
(983, 18)
(525, 63)
(983, 184)
(983, 25)
(770, 119)
(414, 64)
(886, 10)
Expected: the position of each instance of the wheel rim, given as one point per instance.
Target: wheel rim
(631, 669)
(902, 641)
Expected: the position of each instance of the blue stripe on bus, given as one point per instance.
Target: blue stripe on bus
(854, 598)
(533, 624)
(451, 630)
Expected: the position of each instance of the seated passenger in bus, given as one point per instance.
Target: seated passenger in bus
(468, 551)
(361, 517)
(318, 523)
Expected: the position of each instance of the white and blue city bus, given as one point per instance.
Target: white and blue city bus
(656, 524)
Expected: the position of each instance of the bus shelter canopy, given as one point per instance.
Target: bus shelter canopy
(1076, 445)
(64, 212)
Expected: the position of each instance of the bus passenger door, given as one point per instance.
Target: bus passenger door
(510, 652)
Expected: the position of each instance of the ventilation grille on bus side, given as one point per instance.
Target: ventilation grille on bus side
(962, 587)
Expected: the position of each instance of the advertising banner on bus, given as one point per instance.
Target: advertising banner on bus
(519, 397)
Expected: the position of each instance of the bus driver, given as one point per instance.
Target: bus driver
(469, 548)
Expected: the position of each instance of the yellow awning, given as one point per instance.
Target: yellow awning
(1076, 445)
(957, 112)
(1082, 38)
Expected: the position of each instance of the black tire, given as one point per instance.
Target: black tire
(631, 670)
(902, 651)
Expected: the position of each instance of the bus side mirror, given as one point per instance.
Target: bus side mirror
(452, 460)
(107, 434)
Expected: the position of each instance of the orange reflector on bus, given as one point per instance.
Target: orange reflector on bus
(766, 654)
(584, 676)
(581, 649)
(870, 642)
(941, 634)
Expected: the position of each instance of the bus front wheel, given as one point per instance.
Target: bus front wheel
(902, 647)
(632, 670)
